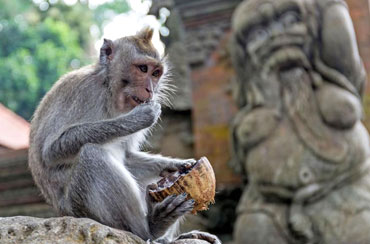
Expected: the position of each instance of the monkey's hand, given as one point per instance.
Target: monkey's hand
(143, 116)
(200, 236)
(163, 214)
(178, 165)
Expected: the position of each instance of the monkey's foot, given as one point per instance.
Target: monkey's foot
(200, 236)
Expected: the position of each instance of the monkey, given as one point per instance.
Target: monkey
(85, 143)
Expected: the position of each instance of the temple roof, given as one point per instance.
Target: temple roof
(14, 130)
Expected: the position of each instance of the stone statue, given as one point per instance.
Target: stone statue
(298, 136)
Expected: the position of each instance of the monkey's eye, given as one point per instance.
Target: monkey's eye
(289, 18)
(157, 73)
(143, 68)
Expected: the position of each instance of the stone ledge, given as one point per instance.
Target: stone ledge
(31, 230)
(66, 230)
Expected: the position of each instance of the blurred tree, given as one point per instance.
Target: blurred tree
(108, 10)
(42, 40)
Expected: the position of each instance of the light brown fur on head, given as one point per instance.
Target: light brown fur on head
(143, 41)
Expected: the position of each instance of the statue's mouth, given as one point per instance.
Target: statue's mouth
(285, 58)
(282, 52)
(280, 42)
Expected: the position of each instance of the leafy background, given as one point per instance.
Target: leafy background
(41, 41)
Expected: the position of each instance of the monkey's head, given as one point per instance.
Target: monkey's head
(134, 70)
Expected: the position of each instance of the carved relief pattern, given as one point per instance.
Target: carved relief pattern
(298, 135)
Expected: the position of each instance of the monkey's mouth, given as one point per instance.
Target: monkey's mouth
(138, 100)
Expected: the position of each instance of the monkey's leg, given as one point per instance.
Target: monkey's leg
(150, 165)
(102, 189)
(70, 141)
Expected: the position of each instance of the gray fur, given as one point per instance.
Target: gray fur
(84, 151)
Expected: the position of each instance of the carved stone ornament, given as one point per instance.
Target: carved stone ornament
(298, 136)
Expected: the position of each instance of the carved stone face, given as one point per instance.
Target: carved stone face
(273, 34)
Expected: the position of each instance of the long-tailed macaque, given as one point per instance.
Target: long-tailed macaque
(85, 138)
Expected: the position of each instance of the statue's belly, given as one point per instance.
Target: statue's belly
(284, 160)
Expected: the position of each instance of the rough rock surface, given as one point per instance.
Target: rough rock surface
(66, 230)
(30, 230)
(188, 241)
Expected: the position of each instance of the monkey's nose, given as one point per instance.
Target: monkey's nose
(149, 94)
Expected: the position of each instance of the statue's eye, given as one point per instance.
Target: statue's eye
(143, 68)
(257, 34)
(289, 18)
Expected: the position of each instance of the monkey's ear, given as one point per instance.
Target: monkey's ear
(106, 52)
(146, 34)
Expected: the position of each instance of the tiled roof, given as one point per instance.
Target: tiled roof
(14, 130)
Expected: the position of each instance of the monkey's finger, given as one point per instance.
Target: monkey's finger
(187, 164)
(159, 209)
(149, 199)
(173, 211)
(168, 200)
(172, 203)
(176, 202)
(168, 171)
(183, 208)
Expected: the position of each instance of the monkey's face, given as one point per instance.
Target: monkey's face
(140, 84)
(272, 34)
(134, 71)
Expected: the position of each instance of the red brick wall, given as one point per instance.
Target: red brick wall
(359, 11)
(213, 110)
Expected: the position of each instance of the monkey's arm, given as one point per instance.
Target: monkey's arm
(150, 164)
(70, 141)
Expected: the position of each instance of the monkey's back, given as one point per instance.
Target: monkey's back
(72, 99)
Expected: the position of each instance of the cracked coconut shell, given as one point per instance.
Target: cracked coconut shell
(198, 182)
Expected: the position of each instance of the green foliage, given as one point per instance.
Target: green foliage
(37, 47)
(32, 59)
(79, 18)
(106, 11)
